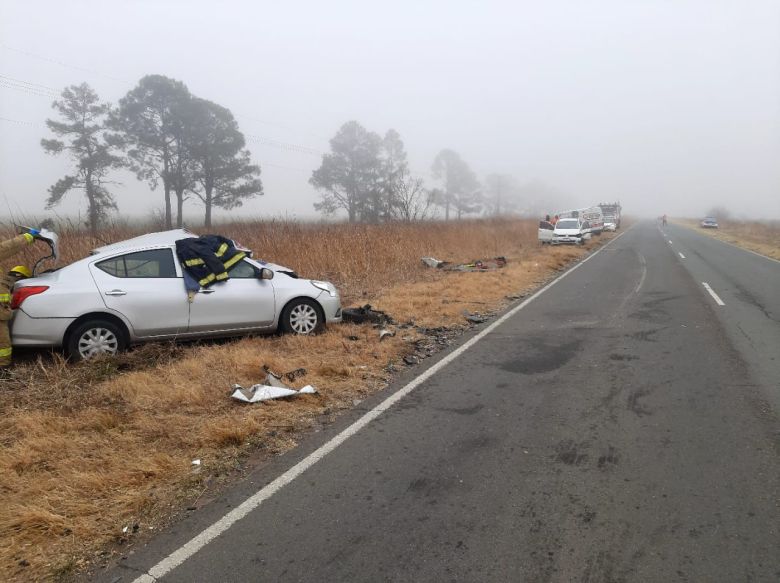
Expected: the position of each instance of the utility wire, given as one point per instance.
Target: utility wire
(61, 63)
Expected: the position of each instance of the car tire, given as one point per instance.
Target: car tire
(302, 316)
(93, 338)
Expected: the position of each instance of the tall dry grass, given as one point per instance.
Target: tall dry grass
(88, 449)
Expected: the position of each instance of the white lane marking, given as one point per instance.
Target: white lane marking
(644, 273)
(195, 544)
(670, 242)
(681, 255)
(713, 294)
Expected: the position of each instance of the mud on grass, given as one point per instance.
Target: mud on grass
(91, 448)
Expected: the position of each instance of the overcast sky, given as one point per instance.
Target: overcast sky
(670, 106)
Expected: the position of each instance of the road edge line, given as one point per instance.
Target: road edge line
(195, 544)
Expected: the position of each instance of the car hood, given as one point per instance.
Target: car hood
(567, 231)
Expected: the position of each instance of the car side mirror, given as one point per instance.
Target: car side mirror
(266, 273)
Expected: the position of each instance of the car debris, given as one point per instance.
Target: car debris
(385, 333)
(476, 265)
(290, 376)
(257, 393)
(474, 318)
(411, 359)
(366, 314)
(273, 387)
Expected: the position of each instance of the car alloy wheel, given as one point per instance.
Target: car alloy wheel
(96, 341)
(303, 319)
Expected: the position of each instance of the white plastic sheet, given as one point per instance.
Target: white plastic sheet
(257, 393)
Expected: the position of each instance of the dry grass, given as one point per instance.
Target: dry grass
(761, 237)
(88, 449)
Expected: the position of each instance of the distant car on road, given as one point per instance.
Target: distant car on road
(133, 291)
(571, 231)
(709, 223)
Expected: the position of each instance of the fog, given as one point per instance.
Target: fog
(668, 106)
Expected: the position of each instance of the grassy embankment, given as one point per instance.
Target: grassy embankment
(88, 449)
(761, 237)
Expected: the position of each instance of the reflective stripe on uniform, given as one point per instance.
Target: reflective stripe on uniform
(222, 276)
(5, 352)
(191, 262)
(221, 250)
(235, 259)
(5, 298)
(208, 279)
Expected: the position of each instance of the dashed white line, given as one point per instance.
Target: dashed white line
(681, 255)
(670, 241)
(717, 299)
(177, 557)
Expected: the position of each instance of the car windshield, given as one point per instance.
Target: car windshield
(567, 224)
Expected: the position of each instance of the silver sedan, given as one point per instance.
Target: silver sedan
(133, 291)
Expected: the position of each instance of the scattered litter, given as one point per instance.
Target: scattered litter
(272, 388)
(365, 314)
(433, 262)
(384, 333)
(257, 393)
(196, 462)
(125, 529)
(353, 338)
(476, 265)
(290, 376)
(474, 318)
(411, 359)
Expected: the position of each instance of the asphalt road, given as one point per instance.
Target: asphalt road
(614, 430)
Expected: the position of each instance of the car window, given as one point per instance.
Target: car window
(242, 270)
(157, 263)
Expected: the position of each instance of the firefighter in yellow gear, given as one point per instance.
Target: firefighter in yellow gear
(9, 248)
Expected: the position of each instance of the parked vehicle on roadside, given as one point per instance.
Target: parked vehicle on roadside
(595, 219)
(610, 226)
(709, 223)
(611, 212)
(571, 231)
(133, 291)
(546, 230)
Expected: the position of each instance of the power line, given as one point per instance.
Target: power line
(60, 63)
(29, 90)
(33, 85)
(20, 122)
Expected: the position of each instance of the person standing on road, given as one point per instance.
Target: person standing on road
(9, 248)
(663, 220)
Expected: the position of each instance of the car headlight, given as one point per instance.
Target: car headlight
(325, 286)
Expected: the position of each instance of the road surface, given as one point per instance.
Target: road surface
(619, 427)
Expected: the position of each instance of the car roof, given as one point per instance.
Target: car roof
(148, 240)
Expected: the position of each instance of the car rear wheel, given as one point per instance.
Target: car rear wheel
(302, 316)
(94, 338)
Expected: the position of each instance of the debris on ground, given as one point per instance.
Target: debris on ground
(475, 318)
(272, 388)
(257, 393)
(411, 359)
(476, 265)
(384, 333)
(290, 376)
(365, 314)
(433, 262)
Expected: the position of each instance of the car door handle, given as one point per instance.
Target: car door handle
(116, 292)
(206, 291)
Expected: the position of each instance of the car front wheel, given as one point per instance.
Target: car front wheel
(302, 316)
(95, 338)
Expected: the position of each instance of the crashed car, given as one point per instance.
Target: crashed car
(134, 291)
(571, 231)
